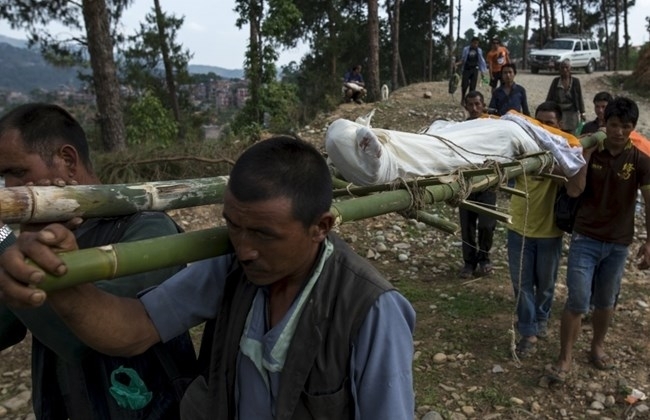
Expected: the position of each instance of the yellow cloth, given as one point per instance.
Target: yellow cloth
(541, 199)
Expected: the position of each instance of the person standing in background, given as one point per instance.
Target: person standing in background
(509, 95)
(476, 256)
(565, 90)
(601, 99)
(472, 65)
(496, 58)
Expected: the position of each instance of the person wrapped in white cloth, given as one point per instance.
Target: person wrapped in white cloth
(370, 156)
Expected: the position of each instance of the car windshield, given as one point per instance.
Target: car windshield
(558, 44)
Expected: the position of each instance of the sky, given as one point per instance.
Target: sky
(210, 32)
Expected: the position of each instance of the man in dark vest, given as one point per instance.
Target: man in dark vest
(43, 144)
(299, 326)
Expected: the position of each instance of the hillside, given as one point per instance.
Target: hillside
(24, 70)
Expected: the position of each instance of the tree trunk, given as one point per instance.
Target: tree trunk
(617, 29)
(169, 68)
(607, 43)
(547, 22)
(551, 6)
(450, 46)
(430, 35)
(524, 52)
(373, 50)
(107, 87)
(254, 72)
(626, 35)
(394, 70)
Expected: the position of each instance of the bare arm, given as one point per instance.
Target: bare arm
(644, 251)
(110, 324)
(577, 183)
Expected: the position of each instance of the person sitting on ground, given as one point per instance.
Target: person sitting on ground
(43, 144)
(353, 85)
(477, 254)
(299, 325)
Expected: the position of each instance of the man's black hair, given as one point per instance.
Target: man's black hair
(284, 166)
(603, 96)
(550, 106)
(474, 94)
(511, 65)
(624, 108)
(43, 128)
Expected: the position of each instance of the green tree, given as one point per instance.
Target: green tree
(94, 18)
(155, 61)
(149, 123)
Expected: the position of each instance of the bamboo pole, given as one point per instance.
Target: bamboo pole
(126, 258)
(123, 259)
(52, 204)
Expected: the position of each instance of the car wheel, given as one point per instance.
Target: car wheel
(534, 70)
(591, 66)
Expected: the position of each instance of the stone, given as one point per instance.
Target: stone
(497, 369)
(516, 401)
(402, 257)
(439, 358)
(19, 401)
(597, 405)
(467, 410)
(432, 415)
(642, 408)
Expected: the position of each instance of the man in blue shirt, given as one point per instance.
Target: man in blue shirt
(509, 95)
(299, 326)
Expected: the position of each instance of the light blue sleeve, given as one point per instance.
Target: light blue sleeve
(189, 298)
(482, 65)
(382, 360)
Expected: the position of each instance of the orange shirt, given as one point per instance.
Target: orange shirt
(497, 58)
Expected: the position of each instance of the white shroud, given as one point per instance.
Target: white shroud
(369, 156)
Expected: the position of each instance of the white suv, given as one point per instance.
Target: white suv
(581, 52)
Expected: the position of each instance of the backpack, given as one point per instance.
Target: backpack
(565, 209)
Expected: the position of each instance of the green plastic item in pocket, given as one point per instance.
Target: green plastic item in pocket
(128, 389)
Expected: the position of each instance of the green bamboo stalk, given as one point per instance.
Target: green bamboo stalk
(123, 259)
(53, 204)
(117, 260)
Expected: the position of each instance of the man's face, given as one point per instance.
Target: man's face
(18, 166)
(618, 132)
(548, 118)
(599, 109)
(475, 107)
(271, 245)
(474, 43)
(508, 75)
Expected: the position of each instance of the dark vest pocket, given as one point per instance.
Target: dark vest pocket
(334, 405)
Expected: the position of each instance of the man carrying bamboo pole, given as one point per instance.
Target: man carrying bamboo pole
(534, 246)
(299, 326)
(617, 168)
(44, 144)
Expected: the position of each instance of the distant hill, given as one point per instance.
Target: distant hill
(24, 70)
(219, 71)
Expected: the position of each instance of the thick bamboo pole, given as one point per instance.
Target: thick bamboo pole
(123, 259)
(118, 260)
(52, 204)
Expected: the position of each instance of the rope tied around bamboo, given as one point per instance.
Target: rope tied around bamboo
(416, 193)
